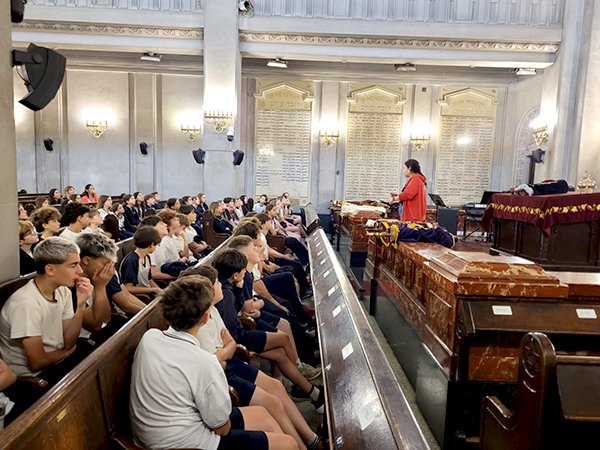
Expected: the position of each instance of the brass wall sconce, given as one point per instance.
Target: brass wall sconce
(329, 137)
(420, 142)
(218, 119)
(191, 132)
(540, 134)
(97, 129)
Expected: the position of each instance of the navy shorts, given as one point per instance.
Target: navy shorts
(241, 377)
(267, 322)
(254, 341)
(239, 438)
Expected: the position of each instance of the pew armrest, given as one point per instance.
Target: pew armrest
(248, 323)
(242, 352)
(34, 384)
(235, 397)
(493, 406)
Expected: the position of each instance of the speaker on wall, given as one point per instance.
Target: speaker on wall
(144, 148)
(43, 71)
(238, 157)
(199, 155)
(48, 144)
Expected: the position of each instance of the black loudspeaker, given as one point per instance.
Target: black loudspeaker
(238, 157)
(199, 155)
(144, 148)
(448, 218)
(48, 144)
(43, 70)
(17, 10)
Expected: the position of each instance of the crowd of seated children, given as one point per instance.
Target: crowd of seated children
(77, 217)
(27, 238)
(253, 386)
(275, 346)
(166, 383)
(135, 269)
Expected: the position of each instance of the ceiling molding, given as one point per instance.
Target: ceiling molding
(396, 42)
(112, 30)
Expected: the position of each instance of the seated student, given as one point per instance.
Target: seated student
(54, 197)
(27, 237)
(22, 212)
(157, 204)
(281, 259)
(201, 206)
(194, 230)
(119, 212)
(294, 244)
(122, 300)
(89, 194)
(7, 378)
(132, 218)
(46, 222)
(288, 226)
(97, 256)
(96, 221)
(173, 204)
(168, 256)
(149, 203)
(228, 211)
(261, 205)
(179, 396)
(231, 265)
(275, 312)
(195, 245)
(41, 202)
(163, 253)
(69, 190)
(186, 200)
(75, 198)
(135, 269)
(238, 208)
(220, 225)
(38, 328)
(253, 386)
(287, 210)
(139, 205)
(104, 205)
(76, 215)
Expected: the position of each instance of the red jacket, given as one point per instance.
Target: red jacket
(415, 200)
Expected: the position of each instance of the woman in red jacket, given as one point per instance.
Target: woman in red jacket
(413, 194)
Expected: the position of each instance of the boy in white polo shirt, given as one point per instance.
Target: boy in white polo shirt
(38, 329)
(179, 394)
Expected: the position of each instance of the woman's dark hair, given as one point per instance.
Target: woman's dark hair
(186, 300)
(171, 202)
(85, 191)
(135, 195)
(250, 204)
(414, 166)
(184, 199)
(51, 199)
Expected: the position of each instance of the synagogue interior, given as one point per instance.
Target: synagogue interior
(375, 221)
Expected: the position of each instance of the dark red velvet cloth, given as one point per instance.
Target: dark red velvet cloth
(544, 211)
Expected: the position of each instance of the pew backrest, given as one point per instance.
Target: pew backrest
(312, 218)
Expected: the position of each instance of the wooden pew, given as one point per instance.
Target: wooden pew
(365, 407)
(89, 408)
(557, 403)
(211, 237)
(312, 219)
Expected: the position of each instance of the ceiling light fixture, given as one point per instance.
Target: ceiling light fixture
(408, 67)
(154, 57)
(280, 63)
(525, 71)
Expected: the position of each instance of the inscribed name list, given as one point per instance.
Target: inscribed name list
(372, 156)
(464, 160)
(282, 153)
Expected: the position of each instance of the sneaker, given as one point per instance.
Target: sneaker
(299, 396)
(310, 332)
(310, 372)
(309, 310)
(315, 444)
(319, 403)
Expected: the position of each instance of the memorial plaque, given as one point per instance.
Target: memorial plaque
(373, 149)
(283, 124)
(466, 144)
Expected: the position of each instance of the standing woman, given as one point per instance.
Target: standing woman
(89, 194)
(54, 197)
(413, 194)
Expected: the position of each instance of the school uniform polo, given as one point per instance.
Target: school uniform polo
(135, 270)
(178, 392)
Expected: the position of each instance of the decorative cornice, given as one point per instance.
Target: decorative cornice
(114, 30)
(393, 42)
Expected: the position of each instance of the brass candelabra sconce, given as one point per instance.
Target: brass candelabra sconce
(97, 129)
(191, 132)
(329, 137)
(219, 120)
(540, 134)
(420, 142)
